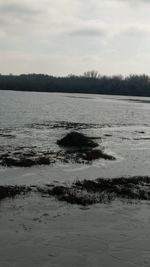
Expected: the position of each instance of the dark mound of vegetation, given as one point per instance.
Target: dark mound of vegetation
(77, 140)
(79, 148)
(12, 191)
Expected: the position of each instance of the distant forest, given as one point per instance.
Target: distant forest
(90, 82)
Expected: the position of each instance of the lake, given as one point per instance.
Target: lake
(40, 231)
(30, 120)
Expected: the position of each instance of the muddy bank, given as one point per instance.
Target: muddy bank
(88, 192)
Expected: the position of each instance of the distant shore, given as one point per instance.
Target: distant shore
(88, 83)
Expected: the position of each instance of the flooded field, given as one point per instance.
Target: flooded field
(31, 124)
(40, 180)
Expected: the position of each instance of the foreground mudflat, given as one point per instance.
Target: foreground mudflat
(42, 232)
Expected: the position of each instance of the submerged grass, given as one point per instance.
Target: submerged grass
(13, 191)
(23, 160)
(88, 192)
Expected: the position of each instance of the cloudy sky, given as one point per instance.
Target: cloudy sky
(59, 37)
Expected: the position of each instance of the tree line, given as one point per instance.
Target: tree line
(90, 82)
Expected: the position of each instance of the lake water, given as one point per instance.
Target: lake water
(30, 120)
(40, 231)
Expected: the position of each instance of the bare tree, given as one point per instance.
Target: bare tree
(92, 74)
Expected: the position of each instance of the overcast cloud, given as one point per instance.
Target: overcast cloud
(72, 36)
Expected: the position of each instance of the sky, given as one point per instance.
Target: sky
(61, 37)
